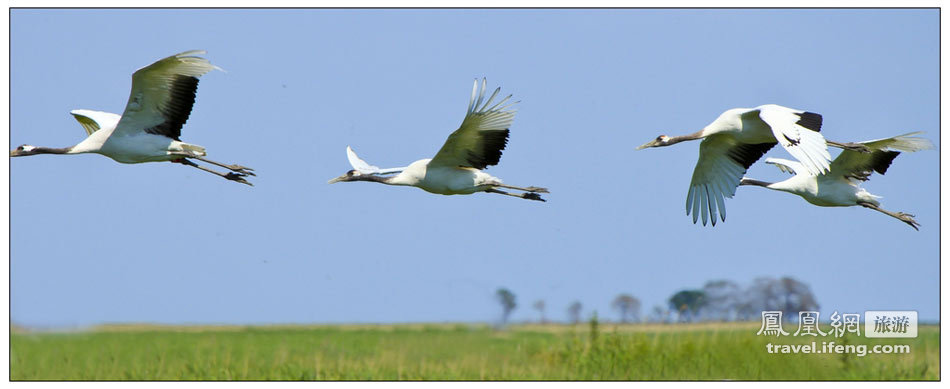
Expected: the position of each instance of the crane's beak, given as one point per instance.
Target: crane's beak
(648, 144)
(338, 179)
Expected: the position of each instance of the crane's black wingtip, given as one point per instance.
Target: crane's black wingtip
(810, 120)
(488, 151)
(881, 160)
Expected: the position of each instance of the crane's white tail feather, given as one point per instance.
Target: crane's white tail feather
(865, 196)
(194, 149)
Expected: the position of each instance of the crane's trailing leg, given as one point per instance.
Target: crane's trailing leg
(526, 195)
(849, 146)
(234, 168)
(233, 176)
(528, 189)
(904, 217)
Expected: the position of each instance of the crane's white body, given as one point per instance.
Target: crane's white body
(833, 189)
(841, 186)
(444, 180)
(456, 168)
(128, 147)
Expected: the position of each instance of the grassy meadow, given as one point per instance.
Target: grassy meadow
(707, 351)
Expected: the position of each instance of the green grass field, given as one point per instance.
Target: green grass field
(709, 351)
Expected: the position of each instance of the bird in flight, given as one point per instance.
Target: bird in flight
(149, 129)
(457, 167)
(841, 187)
(738, 138)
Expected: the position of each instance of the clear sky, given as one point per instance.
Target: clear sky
(96, 241)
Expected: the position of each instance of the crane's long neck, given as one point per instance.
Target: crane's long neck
(806, 188)
(53, 150)
(388, 180)
(677, 139)
(750, 181)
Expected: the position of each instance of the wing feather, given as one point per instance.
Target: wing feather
(853, 163)
(908, 142)
(787, 166)
(163, 94)
(483, 135)
(798, 132)
(721, 202)
(703, 205)
(722, 163)
(93, 121)
(689, 203)
(365, 168)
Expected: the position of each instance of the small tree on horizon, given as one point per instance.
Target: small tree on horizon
(723, 300)
(539, 306)
(507, 301)
(628, 306)
(574, 312)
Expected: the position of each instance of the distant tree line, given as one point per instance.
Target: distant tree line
(717, 300)
(725, 300)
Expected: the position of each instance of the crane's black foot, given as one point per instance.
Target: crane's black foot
(909, 219)
(537, 189)
(533, 196)
(238, 177)
(241, 170)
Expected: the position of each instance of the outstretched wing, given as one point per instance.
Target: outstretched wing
(722, 163)
(478, 143)
(905, 142)
(163, 94)
(93, 121)
(787, 166)
(365, 168)
(798, 132)
(854, 163)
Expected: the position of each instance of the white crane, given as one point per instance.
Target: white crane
(738, 138)
(456, 168)
(841, 187)
(162, 96)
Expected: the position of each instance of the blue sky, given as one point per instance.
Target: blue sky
(95, 241)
